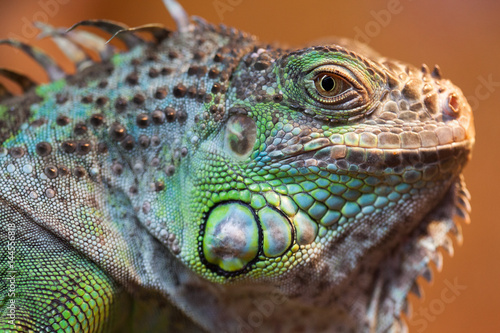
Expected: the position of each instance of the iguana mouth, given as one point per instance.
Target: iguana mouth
(438, 159)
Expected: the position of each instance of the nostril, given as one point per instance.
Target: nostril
(453, 107)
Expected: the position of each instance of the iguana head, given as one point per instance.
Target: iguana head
(312, 148)
(328, 174)
(319, 167)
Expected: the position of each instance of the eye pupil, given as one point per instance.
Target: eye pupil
(327, 83)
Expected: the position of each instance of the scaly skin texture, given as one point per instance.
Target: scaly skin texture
(207, 182)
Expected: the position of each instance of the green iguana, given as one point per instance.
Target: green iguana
(205, 181)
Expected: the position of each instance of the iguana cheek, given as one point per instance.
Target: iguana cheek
(235, 236)
(231, 238)
(277, 232)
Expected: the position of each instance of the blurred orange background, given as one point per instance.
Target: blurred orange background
(463, 37)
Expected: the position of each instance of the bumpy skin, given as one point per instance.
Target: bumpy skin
(208, 182)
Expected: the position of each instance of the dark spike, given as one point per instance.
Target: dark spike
(159, 32)
(53, 70)
(200, 21)
(427, 274)
(50, 171)
(425, 69)
(159, 186)
(126, 32)
(112, 28)
(436, 72)
(456, 231)
(415, 289)
(437, 259)
(70, 49)
(79, 172)
(43, 149)
(447, 245)
(117, 131)
(22, 80)
(92, 42)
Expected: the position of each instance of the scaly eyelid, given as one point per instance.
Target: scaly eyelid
(365, 82)
(345, 96)
(337, 70)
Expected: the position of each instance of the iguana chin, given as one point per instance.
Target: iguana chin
(202, 180)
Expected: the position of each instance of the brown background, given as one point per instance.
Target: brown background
(462, 36)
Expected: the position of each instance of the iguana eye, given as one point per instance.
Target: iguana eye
(332, 86)
(329, 85)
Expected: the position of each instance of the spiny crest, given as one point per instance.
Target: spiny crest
(179, 14)
(73, 44)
